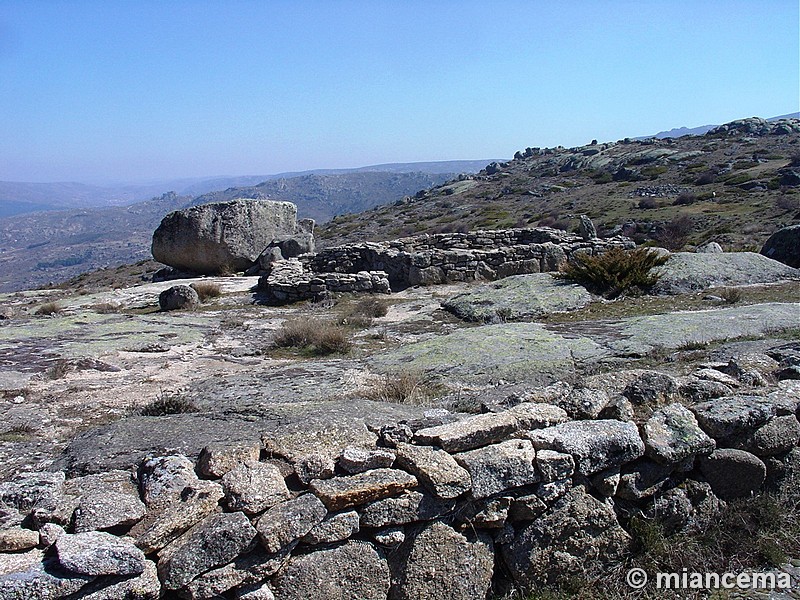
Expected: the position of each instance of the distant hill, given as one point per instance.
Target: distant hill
(22, 197)
(733, 185)
(39, 248)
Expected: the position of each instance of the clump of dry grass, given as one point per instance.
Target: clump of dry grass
(314, 337)
(402, 387)
(364, 311)
(730, 295)
(207, 290)
(49, 308)
(60, 369)
(106, 308)
(169, 403)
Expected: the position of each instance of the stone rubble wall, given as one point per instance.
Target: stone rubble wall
(448, 257)
(445, 506)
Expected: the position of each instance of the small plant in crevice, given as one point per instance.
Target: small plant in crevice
(169, 403)
(18, 433)
(616, 272)
(730, 295)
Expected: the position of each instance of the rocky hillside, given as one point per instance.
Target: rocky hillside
(734, 185)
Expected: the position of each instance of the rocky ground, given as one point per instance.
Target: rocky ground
(78, 368)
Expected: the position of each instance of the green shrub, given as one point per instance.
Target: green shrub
(685, 198)
(313, 336)
(675, 234)
(616, 271)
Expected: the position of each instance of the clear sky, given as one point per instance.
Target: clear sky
(124, 90)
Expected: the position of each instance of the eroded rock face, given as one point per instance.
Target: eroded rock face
(784, 246)
(216, 540)
(578, 533)
(672, 435)
(212, 238)
(439, 562)
(353, 571)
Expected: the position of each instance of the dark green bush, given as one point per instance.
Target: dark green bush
(168, 403)
(616, 271)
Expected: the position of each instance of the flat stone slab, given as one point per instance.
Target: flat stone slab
(409, 507)
(595, 445)
(641, 335)
(470, 432)
(511, 352)
(435, 469)
(98, 553)
(517, 298)
(690, 271)
(725, 417)
(352, 490)
(500, 467)
(285, 523)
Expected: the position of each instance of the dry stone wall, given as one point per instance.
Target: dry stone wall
(377, 267)
(447, 506)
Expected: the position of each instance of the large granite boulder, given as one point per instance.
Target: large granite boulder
(222, 236)
(784, 246)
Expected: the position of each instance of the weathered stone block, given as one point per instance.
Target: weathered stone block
(500, 467)
(352, 490)
(435, 469)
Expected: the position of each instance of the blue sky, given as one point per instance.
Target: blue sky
(121, 90)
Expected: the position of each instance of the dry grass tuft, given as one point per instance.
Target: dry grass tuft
(49, 308)
(207, 290)
(169, 403)
(364, 311)
(314, 337)
(404, 387)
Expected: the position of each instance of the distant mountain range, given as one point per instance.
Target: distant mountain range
(21, 197)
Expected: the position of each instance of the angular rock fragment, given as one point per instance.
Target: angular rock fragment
(215, 541)
(313, 466)
(725, 417)
(584, 403)
(552, 490)
(390, 537)
(537, 415)
(500, 467)
(439, 562)
(486, 513)
(29, 575)
(145, 586)
(672, 435)
(249, 568)
(470, 432)
(409, 507)
(357, 460)
(333, 528)
(353, 490)
(642, 479)
(435, 469)
(733, 473)
(577, 534)
(526, 508)
(285, 523)
(779, 435)
(98, 553)
(595, 445)
(216, 460)
(253, 487)
(15, 539)
(352, 571)
(651, 387)
(554, 465)
(30, 490)
(170, 519)
(107, 500)
(162, 479)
